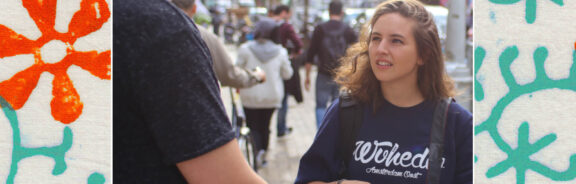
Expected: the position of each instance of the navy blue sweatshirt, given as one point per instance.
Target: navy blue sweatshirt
(392, 146)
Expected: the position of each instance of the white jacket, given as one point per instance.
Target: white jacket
(277, 67)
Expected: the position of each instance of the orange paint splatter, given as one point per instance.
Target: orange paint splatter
(17, 89)
(66, 105)
(43, 12)
(12, 43)
(96, 63)
(88, 19)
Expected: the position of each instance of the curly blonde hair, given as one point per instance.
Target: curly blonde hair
(355, 74)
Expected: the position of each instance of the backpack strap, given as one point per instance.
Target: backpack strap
(351, 116)
(437, 141)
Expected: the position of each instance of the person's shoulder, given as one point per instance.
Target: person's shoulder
(156, 10)
(203, 30)
(322, 25)
(286, 25)
(457, 108)
(208, 36)
(153, 18)
(335, 23)
(204, 33)
(459, 113)
(330, 23)
(245, 46)
(335, 107)
(333, 110)
(331, 120)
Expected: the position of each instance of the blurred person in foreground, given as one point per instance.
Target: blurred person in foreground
(169, 121)
(396, 76)
(227, 73)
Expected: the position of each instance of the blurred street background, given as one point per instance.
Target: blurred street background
(453, 19)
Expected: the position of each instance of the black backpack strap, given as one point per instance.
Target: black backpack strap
(351, 116)
(437, 141)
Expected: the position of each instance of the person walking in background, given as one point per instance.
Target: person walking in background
(244, 26)
(261, 100)
(288, 38)
(329, 42)
(229, 29)
(407, 128)
(169, 121)
(227, 73)
(217, 19)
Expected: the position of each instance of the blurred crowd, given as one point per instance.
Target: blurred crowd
(381, 81)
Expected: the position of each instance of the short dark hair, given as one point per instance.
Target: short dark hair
(280, 8)
(184, 4)
(335, 8)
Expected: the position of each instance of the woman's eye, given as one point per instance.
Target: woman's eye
(397, 41)
(375, 38)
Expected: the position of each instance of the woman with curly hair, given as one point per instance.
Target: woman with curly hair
(396, 75)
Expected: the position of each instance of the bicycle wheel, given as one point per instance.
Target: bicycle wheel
(246, 146)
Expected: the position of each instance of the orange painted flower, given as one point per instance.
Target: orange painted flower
(66, 105)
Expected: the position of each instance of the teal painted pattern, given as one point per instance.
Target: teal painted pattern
(96, 178)
(519, 158)
(57, 153)
(53, 52)
(479, 54)
(19, 152)
(531, 6)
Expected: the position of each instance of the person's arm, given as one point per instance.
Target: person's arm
(180, 104)
(293, 37)
(308, 67)
(312, 52)
(227, 73)
(226, 163)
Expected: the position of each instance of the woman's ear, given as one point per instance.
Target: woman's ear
(420, 62)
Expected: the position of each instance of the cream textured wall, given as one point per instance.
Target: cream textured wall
(524, 111)
(61, 131)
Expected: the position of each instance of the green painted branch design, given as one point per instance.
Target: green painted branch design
(19, 152)
(530, 7)
(57, 153)
(519, 158)
(479, 54)
(96, 178)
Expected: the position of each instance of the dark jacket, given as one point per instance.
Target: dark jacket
(289, 40)
(325, 64)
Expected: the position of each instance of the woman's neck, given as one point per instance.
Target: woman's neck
(402, 94)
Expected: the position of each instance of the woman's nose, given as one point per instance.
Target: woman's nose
(382, 47)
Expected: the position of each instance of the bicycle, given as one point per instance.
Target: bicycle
(242, 132)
